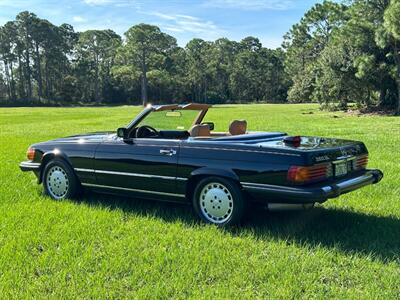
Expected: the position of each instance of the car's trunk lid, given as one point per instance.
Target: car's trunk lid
(319, 149)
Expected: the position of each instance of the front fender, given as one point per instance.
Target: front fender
(48, 156)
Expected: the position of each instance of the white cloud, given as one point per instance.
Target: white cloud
(118, 3)
(187, 17)
(162, 16)
(79, 19)
(173, 29)
(178, 23)
(98, 2)
(14, 3)
(185, 26)
(251, 4)
(196, 26)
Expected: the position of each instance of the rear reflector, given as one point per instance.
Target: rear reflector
(300, 174)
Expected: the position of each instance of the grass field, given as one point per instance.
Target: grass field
(102, 246)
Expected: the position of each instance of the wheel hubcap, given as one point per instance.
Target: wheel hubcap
(216, 202)
(57, 182)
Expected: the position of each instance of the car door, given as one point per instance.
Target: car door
(147, 166)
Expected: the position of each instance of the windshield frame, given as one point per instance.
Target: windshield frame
(201, 108)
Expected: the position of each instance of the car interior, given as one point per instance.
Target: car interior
(198, 131)
(186, 122)
(236, 127)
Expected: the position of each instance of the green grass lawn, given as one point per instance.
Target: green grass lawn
(102, 246)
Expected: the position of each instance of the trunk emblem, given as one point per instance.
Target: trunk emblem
(321, 158)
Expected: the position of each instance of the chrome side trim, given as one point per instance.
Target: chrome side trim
(139, 175)
(84, 170)
(239, 150)
(254, 184)
(132, 190)
(130, 174)
(149, 145)
(79, 143)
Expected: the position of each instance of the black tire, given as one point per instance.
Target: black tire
(52, 183)
(223, 198)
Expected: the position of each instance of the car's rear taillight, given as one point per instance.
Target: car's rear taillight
(299, 174)
(361, 162)
(30, 153)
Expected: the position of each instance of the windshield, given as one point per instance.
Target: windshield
(170, 119)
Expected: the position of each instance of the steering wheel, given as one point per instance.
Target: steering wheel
(145, 131)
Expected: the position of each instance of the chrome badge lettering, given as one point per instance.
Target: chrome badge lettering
(321, 158)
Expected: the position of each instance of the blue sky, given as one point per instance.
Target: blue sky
(208, 19)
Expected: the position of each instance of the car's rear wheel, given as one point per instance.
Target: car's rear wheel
(59, 180)
(218, 201)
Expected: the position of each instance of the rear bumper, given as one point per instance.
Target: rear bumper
(319, 193)
(29, 166)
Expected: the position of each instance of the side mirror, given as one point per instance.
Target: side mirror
(122, 133)
(210, 124)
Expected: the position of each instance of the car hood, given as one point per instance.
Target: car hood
(93, 137)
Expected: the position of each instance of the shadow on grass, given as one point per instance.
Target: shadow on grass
(351, 232)
(348, 231)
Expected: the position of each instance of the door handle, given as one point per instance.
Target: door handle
(169, 152)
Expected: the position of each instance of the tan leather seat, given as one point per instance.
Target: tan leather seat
(238, 127)
(200, 130)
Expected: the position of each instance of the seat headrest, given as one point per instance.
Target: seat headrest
(200, 130)
(238, 127)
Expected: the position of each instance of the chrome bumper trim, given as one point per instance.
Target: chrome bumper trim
(309, 194)
(29, 166)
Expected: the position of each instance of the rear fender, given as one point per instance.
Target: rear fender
(198, 174)
(215, 172)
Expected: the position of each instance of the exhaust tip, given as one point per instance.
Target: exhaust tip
(289, 206)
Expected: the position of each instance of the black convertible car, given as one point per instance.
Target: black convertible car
(171, 153)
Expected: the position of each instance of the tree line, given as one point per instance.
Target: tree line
(336, 54)
(339, 54)
(44, 63)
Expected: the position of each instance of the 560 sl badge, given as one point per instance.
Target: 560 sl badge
(321, 158)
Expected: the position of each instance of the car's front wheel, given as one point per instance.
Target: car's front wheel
(59, 180)
(218, 201)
